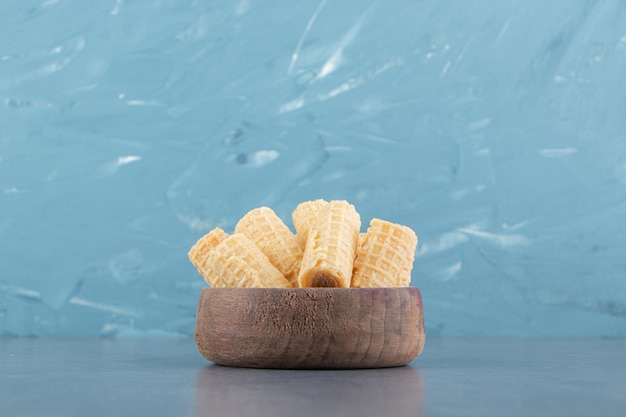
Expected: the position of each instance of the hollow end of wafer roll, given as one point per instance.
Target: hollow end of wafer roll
(321, 278)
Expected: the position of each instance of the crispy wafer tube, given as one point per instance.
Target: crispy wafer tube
(235, 271)
(385, 257)
(268, 232)
(303, 216)
(199, 253)
(239, 246)
(331, 247)
(361, 240)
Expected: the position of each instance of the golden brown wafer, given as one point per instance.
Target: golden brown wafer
(235, 271)
(199, 253)
(385, 257)
(303, 216)
(361, 239)
(241, 247)
(331, 247)
(276, 241)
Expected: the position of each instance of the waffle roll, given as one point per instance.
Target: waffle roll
(331, 246)
(199, 253)
(385, 256)
(268, 232)
(304, 215)
(240, 263)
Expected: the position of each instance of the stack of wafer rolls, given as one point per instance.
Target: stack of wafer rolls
(327, 249)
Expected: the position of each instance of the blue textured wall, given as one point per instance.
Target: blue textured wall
(497, 130)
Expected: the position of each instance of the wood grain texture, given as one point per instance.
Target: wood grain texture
(310, 328)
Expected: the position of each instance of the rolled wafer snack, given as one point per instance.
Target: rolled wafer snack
(268, 232)
(385, 257)
(199, 253)
(361, 240)
(235, 271)
(331, 247)
(227, 260)
(304, 216)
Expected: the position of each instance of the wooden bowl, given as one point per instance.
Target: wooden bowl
(310, 328)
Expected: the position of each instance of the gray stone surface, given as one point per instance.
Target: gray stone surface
(167, 377)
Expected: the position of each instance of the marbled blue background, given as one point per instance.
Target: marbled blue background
(497, 130)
